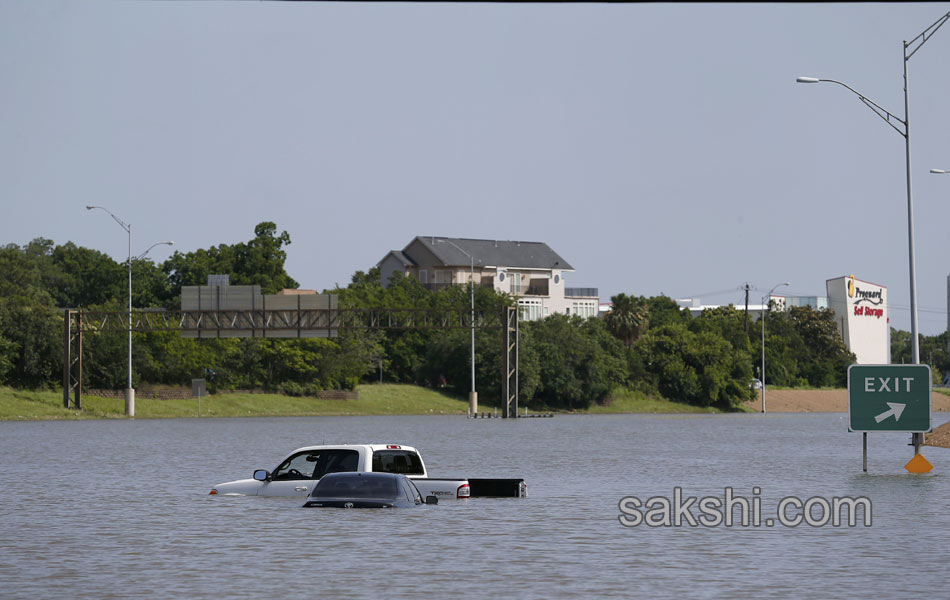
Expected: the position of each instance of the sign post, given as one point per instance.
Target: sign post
(865, 462)
(889, 398)
(197, 389)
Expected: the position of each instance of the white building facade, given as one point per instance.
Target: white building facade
(862, 317)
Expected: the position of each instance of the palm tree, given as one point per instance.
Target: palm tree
(628, 318)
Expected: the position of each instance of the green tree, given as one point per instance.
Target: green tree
(938, 355)
(257, 262)
(193, 268)
(403, 350)
(580, 362)
(665, 311)
(726, 322)
(150, 287)
(79, 277)
(8, 354)
(29, 321)
(408, 353)
(900, 347)
(261, 260)
(628, 318)
(804, 347)
(168, 358)
(696, 368)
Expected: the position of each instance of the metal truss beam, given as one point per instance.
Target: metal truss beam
(293, 323)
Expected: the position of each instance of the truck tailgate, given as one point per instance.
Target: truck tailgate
(444, 488)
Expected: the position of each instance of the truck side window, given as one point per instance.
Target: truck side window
(397, 461)
(298, 466)
(336, 461)
(314, 464)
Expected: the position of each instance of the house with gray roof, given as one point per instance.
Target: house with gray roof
(530, 271)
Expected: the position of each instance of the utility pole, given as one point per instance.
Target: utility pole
(746, 287)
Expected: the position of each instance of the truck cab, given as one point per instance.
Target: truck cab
(297, 474)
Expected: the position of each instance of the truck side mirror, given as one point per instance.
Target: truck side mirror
(432, 500)
(261, 475)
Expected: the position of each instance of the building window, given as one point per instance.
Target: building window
(515, 283)
(423, 276)
(529, 310)
(583, 309)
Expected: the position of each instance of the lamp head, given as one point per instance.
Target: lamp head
(90, 207)
(807, 80)
(939, 171)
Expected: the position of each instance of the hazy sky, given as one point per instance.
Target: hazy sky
(658, 148)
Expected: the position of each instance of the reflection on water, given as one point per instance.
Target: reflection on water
(120, 508)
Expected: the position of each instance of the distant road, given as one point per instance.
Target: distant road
(820, 401)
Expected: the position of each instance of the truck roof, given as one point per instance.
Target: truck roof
(371, 447)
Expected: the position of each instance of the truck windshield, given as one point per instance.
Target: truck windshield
(397, 461)
(355, 487)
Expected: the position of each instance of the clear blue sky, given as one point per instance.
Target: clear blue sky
(659, 148)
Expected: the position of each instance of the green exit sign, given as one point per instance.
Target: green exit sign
(889, 398)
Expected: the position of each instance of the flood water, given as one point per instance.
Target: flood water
(114, 509)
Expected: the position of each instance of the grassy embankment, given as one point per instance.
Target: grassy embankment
(625, 401)
(384, 399)
(373, 400)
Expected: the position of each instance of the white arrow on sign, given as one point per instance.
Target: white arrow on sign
(896, 408)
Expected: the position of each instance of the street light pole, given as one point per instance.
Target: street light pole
(472, 395)
(890, 119)
(129, 391)
(765, 304)
(910, 48)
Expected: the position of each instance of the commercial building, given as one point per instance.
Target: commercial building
(861, 313)
(530, 271)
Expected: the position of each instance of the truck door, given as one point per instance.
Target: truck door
(297, 475)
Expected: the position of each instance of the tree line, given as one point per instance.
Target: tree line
(647, 344)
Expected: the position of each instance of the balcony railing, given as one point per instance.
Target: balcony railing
(441, 286)
(534, 290)
(581, 293)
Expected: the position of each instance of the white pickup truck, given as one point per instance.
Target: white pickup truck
(297, 474)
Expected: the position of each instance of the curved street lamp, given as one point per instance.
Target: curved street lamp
(142, 255)
(473, 395)
(910, 48)
(766, 302)
(129, 391)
